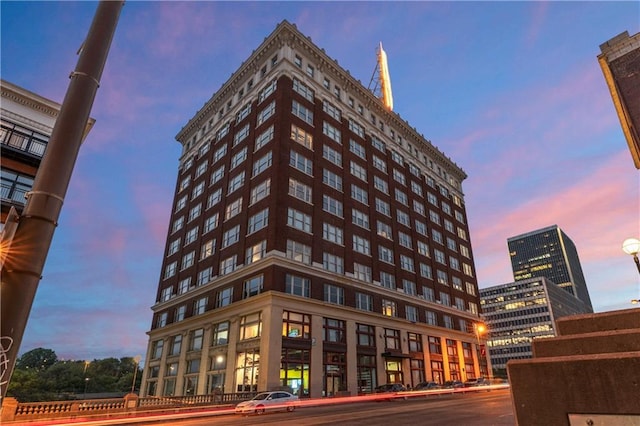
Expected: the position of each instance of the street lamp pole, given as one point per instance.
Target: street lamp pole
(631, 246)
(136, 361)
(23, 264)
(480, 329)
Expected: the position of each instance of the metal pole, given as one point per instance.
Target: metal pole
(22, 269)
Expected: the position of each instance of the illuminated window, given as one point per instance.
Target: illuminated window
(250, 326)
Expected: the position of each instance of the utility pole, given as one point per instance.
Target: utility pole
(22, 267)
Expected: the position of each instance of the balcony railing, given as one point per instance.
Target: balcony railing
(25, 142)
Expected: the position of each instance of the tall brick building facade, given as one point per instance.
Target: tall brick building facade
(316, 241)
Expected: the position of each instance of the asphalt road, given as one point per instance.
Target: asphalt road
(472, 409)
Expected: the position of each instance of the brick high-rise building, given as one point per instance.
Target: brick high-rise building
(317, 241)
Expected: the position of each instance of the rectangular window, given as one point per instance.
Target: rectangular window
(298, 220)
(255, 252)
(383, 207)
(183, 285)
(332, 110)
(262, 164)
(197, 190)
(253, 286)
(399, 177)
(404, 240)
(333, 294)
(250, 326)
(236, 182)
(241, 134)
(298, 286)
(266, 112)
(298, 252)
(425, 271)
(268, 90)
(364, 302)
(409, 287)
(301, 162)
(188, 259)
(208, 248)
(357, 149)
(303, 89)
(258, 221)
(264, 138)
(217, 175)
(334, 330)
(358, 171)
(332, 155)
(428, 293)
(421, 228)
(301, 136)
(384, 230)
(332, 233)
(406, 263)
(380, 184)
(389, 308)
(200, 306)
(401, 197)
(385, 254)
(176, 345)
(356, 128)
(204, 276)
(239, 157)
(210, 223)
(359, 194)
(220, 153)
(361, 245)
(214, 198)
(333, 263)
(331, 179)
(231, 236)
(359, 218)
(332, 132)
(362, 272)
(411, 313)
(228, 265)
(379, 164)
(431, 318)
(299, 190)
(233, 209)
(220, 334)
(387, 280)
(224, 297)
(378, 144)
(260, 191)
(332, 206)
(302, 112)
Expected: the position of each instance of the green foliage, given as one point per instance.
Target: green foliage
(40, 376)
(38, 359)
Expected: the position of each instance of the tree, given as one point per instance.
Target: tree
(39, 376)
(28, 386)
(38, 359)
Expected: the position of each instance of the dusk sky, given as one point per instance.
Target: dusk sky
(511, 91)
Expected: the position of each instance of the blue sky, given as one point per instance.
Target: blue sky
(510, 91)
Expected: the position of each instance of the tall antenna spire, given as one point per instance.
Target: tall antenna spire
(385, 79)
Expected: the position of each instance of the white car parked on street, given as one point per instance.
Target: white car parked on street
(268, 401)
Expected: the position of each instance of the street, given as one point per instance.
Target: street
(472, 409)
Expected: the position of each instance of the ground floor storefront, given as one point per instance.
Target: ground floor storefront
(311, 348)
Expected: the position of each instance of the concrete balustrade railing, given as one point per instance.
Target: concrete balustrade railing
(131, 404)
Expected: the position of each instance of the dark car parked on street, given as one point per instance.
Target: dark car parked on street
(390, 387)
(426, 386)
(453, 384)
(480, 381)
